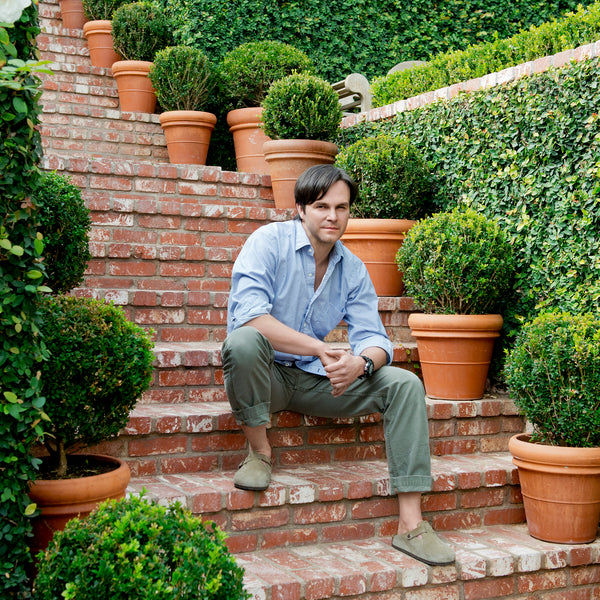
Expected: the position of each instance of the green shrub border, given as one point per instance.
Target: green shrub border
(21, 285)
(571, 31)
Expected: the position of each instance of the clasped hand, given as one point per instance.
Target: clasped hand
(342, 368)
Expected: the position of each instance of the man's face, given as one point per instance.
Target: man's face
(325, 220)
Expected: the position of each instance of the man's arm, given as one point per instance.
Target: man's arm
(344, 368)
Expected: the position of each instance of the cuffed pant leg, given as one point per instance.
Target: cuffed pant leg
(247, 367)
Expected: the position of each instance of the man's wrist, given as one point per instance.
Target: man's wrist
(369, 367)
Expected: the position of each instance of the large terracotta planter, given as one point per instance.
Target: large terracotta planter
(72, 15)
(248, 140)
(64, 499)
(455, 352)
(561, 490)
(188, 135)
(100, 43)
(288, 159)
(375, 242)
(136, 93)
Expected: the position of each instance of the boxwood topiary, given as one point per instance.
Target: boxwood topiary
(301, 106)
(182, 78)
(140, 29)
(101, 10)
(99, 365)
(65, 223)
(457, 262)
(247, 72)
(553, 373)
(393, 179)
(133, 549)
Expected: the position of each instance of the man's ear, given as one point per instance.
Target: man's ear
(300, 211)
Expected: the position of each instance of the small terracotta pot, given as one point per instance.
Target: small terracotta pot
(100, 43)
(455, 352)
(72, 14)
(136, 93)
(561, 490)
(288, 159)
(248, 140)
(187, 133)
(64, 499)
(376, 242)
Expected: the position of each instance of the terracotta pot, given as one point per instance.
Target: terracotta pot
(100, 43)
(375, 242)
(561, 490)
(288, 159)
(64, 499)
(72, 14)
(136, 93)
(248, 140)
(455, 352)
(188, 135)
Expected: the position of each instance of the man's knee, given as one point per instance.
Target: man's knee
(243, 346)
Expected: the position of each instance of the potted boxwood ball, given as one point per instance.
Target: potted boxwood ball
(553, 374)
(394, 190)
(136, 549)
(458, 266)
(301, 115)
(98, 31)
(140, 30)
(183, 80)
(99, 365)
(245, 75)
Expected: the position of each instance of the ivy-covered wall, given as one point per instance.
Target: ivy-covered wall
(527, 154)
(21, 277)
(364, 36)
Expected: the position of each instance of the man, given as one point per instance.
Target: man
(292, 283)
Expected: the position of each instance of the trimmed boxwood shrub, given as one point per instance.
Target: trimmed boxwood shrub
(455, 66)
(246, 73)
(553, 373)
(393, 179)
(101, 10)
(457, 262)
(133, 549)
(301, 106)
(99, 365)
(65, 223)
(182, 78)
(140, 30)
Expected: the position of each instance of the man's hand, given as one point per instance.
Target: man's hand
(342, 368)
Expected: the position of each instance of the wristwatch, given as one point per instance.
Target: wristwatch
(369, 367)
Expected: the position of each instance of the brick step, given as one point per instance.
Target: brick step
(499, 561)
(197, 432)
(346, 500)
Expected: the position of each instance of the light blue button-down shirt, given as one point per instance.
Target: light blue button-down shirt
(275, 274)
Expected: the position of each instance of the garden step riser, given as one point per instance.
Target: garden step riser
(343, 501)
(203, 436)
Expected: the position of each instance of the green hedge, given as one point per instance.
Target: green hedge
(527, 155)
(573, 30)
(365, 36)
(21, 275)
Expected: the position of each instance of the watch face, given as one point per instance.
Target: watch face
(369, 367)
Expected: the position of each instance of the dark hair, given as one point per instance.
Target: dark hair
(315, 182)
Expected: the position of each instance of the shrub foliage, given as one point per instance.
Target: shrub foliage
(101, 10)
(393, 179)
(553, 372)
(457, 262)
(301, 106)
(133, 549)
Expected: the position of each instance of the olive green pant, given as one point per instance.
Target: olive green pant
(257, 386)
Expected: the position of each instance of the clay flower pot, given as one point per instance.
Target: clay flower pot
(100, 43)
(72, 14)
(375, 242)
(561, 490)
(455, 352)
(136, 93)
(248, 140)
(288, 159)
(187, 133)
(61, 500)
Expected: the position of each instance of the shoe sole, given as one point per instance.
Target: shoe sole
(427, 562)
(249, 488)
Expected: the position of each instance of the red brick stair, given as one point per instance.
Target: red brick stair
(164, 239)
